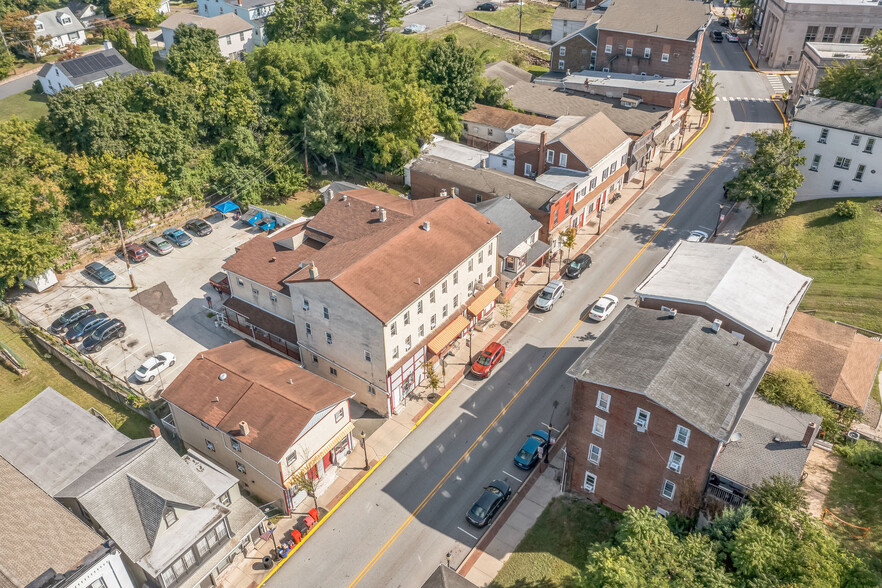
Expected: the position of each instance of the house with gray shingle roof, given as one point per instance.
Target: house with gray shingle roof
(59, 28)
(92, 68)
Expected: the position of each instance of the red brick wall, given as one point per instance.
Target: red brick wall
(526, 153)
(680, 64)
(633, 465)
(577, 55)
(709, 314)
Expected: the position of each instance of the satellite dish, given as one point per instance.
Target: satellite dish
(735, 438)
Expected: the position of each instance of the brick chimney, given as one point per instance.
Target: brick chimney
(809, 433)
(541, 167)
(244, 429)
(155, 432)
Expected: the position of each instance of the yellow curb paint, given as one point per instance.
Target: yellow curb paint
(433, 407)
(322, 520)
(778, 108)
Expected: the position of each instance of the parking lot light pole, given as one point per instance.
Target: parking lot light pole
(553, 408)
(719, 220)
(126, 256)
(364, 447)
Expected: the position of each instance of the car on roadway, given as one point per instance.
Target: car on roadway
(198, 226)
(112, 329)
(148, 370)
(100, 272)
(550, 294)
(488, 7)
(732, 37)
(414, 28)
(603, 307)
(488, 359)
(158, 245)
(489, 504)
(578, 265)
(83, 327)
(70, 316)
(717, 36)
(422, 4)
(528, 456)
(177, 236)
(697, 236)
(135, 252)
(724, 21)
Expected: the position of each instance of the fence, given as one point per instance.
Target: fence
(827, 514)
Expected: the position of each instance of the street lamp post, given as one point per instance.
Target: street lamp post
(719, 220)
(553, 408)
(599, 217)
(449, 557)
(364, 447)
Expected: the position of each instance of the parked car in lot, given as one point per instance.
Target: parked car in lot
(528, 456)
(578, 265)
(148, 370)
(414, 28)
(158, 245)
(198, 226)
(697, 236)
(425, 4)
(71, 316)
(100, 272)
(717, 36)
(410, 9)
(220, 282)
(489, 504)
(136, 252)
(603, 307)
(488, 359)
(112, 329)
(553, 292)
(83, 327)
(177, 236)
(732, 37)
(488, 7)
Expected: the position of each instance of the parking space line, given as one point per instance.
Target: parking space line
(469, 387)
(125, 357)
(535, 317)
(467, 533)
(514, 477)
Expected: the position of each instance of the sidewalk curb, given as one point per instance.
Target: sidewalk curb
(322, 521)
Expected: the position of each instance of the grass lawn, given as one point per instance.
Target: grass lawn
(555, 547)
(536, 17)
(843, 256)
(27, 105)
(18, 391)
(300, 204)
(493, 48)
(854, 496)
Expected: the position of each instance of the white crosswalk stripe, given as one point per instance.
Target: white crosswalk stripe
(739, 99)
(776, 83)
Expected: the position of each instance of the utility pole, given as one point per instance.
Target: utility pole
(520, 17)
(305, 152)
(122, 241)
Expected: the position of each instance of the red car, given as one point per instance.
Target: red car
(487, 360)
(136, 252)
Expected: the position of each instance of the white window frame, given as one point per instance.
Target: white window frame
(599, 427)
(662, 512)
(665, 57)
(603, 400)
(594, 452)
(561, 64)
(562, 160)
(563, 51)
(590, 482)
(607, 49)
(637, 418)
(528, 169)
(629, 51)
(647, 53)
(549, 156)
(856, 140)
(677, 435)
(665, 487)
(822, 138)
(675, 461)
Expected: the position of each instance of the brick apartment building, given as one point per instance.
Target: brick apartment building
(655, 398)
(631, 89)
(651, 37)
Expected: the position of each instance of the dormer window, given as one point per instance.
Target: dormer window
(170, 517)
(65, 20)
(38, 26)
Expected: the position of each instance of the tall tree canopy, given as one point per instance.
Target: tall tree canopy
(856, 80)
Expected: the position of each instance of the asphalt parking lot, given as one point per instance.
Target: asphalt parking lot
(168, 312)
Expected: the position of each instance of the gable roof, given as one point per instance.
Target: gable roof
(507, 73)
(671, 19)
(589, 33)
(501, 118)
(275, 396)
(592, 139)
(223, 24)
(850, 360)
(52, 27)
(758, 455)
(53, 441)
(444, 577)
(37, 534)
(741, 284)
(516, 223)
(383, 266)
(704, 377)
(94, 66)
(846, 116)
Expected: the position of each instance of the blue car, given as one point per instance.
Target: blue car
(177, 236)
(100, 272)
(83, 327)
(528, 456)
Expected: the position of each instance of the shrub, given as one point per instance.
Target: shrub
(864, 455)
(847, 209)
(378, 186)
(797, 389)
(38, 87)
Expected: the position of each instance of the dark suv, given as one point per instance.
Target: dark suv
(717, 36)
(112, 329)
(578, 265)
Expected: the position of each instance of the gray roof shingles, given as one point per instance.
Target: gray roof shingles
(672, 19)
(858, 118)
(52, 26)
(516, 223)
(680, 363)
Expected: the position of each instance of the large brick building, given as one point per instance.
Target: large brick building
(655, 399)
(651, 37)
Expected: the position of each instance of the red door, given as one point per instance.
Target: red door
(327, 459)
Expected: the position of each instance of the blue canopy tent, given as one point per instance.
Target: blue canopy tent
(226, 206)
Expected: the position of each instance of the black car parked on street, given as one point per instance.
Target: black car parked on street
(578, 265)
(489, 504)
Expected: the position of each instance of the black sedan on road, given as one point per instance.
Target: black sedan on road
(112, 329)
(100, 272)
(490, 503)
(71, 316)
(84, 326)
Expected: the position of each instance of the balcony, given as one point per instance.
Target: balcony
(725, 495)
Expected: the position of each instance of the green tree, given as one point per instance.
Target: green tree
(856, 80)
(362, 109)
(568, 239)
(118, 188)
(141, 55)
(704, 95)
(7, 62)
(195, 55)
(433, 380)
(320, 124)
(490, 92)
(797, 389)
(297, 20)
(771, 177)
(141, 12)
(20, 32)
(24, 255)
(455, 71)
(381, 15)
(303, 482)
(121, 40)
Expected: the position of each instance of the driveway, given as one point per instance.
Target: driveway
(18, 85)
(167, 312)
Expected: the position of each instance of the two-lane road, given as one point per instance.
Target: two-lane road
(410, 513)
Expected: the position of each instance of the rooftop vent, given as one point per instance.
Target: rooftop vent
(443, 193)
(244, 429)
(343, 197)
(382, 215)
(672, 312)
(313, 272)
(717, 324)
(272, 259)
(426, 226)
(222, 377)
